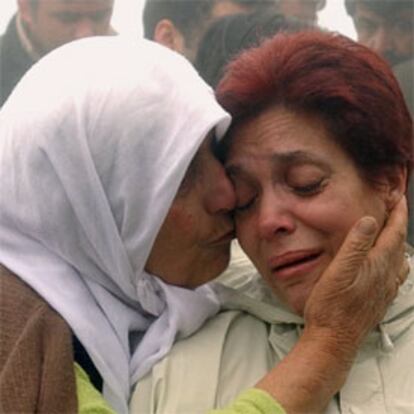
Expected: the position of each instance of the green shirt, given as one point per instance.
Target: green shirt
(252, 401)
(90, 400)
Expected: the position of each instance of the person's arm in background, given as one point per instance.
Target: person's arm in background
(350, 299)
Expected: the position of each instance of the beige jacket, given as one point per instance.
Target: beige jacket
(237, 347)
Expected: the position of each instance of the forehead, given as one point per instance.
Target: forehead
(279, 130)
(205, 150)
(199, 165)
(277, 121)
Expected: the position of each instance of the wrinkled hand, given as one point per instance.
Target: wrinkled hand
(350, 298)
(355, 291)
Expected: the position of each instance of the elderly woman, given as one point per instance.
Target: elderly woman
(90, 171)
(114, 211)
(321, 137)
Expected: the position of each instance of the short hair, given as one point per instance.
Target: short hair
(384, 8)
(187, 15)
(350, 88)
(231, 34)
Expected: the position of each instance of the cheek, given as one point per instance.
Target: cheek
(183, 221)
(332, 222)
(334, 217)
(324, 220)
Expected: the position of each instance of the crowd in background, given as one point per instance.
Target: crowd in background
(40, 26)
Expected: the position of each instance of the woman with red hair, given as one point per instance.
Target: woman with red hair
(321, 136)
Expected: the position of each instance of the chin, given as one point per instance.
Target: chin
(219, 266)
(296, 301)
(298, 308)
(211, 270)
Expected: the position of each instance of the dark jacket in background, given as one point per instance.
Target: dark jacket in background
(405, 75)
(14, 60)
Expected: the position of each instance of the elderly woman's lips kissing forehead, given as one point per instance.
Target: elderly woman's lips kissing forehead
(292, 264)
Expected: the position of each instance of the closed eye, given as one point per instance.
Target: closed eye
(244, 207)
(310, 189)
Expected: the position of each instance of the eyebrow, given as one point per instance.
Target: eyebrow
(286, 158)
(295, 157)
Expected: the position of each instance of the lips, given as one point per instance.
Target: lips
(297, 263)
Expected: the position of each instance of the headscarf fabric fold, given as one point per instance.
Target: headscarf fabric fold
(94, 142)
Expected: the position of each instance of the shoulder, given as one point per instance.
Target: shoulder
(209, 361)
(36, 358)
(14, 292)
(19, 302)
(23, 313)
(27, 319)
(385, 364)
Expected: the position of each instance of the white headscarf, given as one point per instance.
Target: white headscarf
(94, 143)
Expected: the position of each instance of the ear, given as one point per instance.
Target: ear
(26, 11)
(396, 186)
(168, 35)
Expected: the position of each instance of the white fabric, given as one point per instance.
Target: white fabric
(94, 143)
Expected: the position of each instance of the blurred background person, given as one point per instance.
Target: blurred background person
(231, 34)
(180, 24)
(40, 26)
(304, 10)
(386, 26)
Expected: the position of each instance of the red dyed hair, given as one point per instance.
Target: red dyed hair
(350, 87)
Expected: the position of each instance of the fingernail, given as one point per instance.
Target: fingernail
(367, 226)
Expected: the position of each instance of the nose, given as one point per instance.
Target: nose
(274, 217)
(220, 194)
(84, 28)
